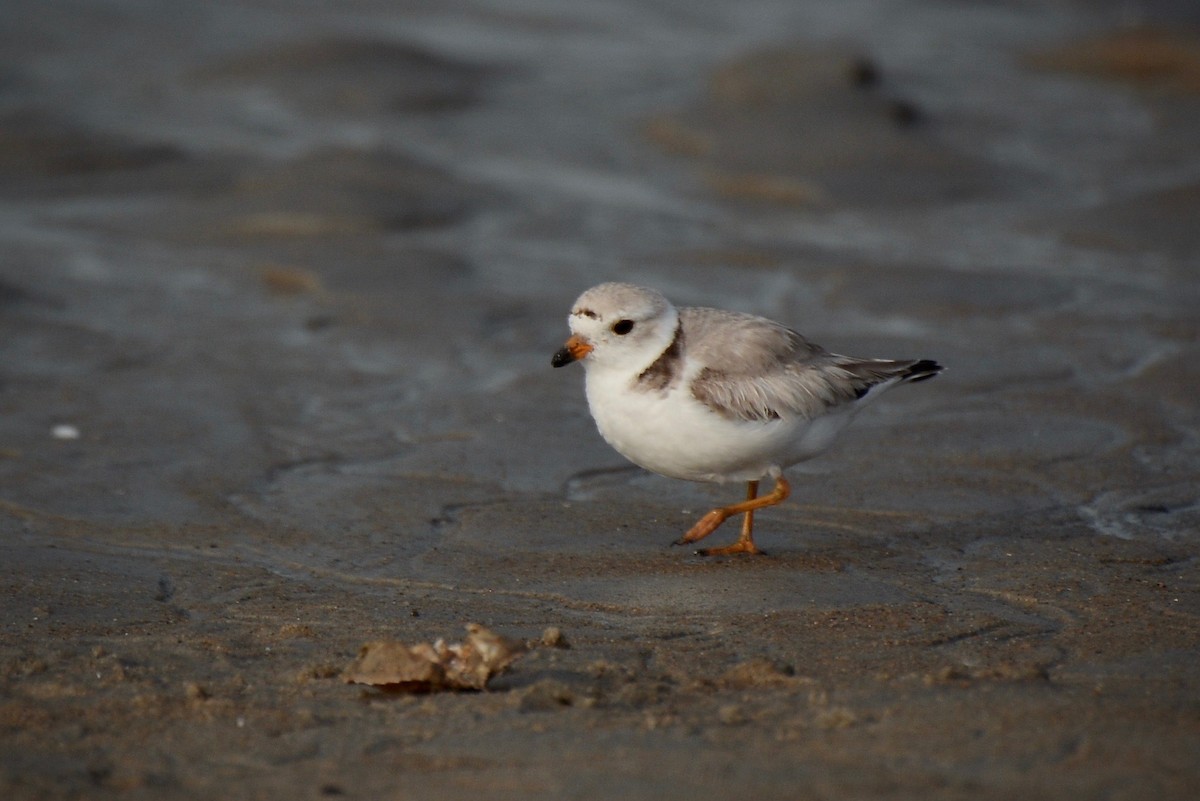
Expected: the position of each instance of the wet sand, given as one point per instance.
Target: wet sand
(279, 292)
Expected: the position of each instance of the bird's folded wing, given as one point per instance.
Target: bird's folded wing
(767, 371)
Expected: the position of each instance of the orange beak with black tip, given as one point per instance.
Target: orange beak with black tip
(574, 350)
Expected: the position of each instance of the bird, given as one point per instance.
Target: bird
(709, 395)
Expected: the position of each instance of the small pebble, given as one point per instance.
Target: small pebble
(553, 637)
(731, 715)
(196, 691)
(64, 431)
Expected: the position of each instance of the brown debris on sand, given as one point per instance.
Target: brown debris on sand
(397, 667)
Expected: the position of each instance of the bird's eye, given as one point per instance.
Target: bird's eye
(622, 327)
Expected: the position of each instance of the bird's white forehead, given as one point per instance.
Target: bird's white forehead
(627, 300)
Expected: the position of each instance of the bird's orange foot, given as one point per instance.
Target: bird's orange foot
(712, 521)
(741, 546)
(704, 526)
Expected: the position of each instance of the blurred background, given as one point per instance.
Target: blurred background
(293, 232)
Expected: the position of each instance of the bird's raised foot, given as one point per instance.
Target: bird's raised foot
(704, 526)
(741, 546)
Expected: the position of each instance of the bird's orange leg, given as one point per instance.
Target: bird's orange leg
(745, 543)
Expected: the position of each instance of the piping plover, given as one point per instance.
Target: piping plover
(710, 395)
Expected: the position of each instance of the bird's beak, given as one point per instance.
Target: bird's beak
(574, 350)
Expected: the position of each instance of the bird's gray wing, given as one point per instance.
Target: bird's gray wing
(755, 369)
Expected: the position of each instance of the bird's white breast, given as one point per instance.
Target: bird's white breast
(671, 433)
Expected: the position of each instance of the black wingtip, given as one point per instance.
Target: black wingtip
(922, 370)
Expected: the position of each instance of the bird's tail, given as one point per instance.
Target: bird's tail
(878, 374)
(921, 370)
